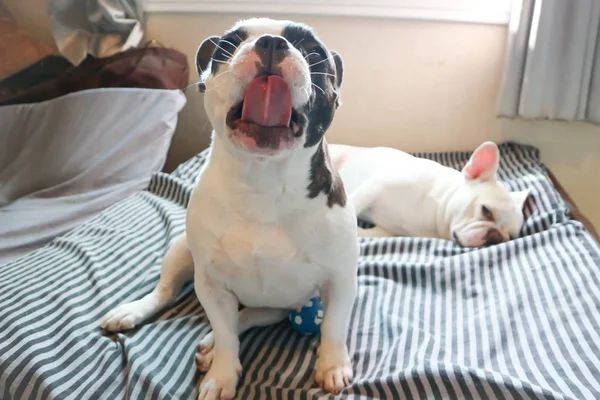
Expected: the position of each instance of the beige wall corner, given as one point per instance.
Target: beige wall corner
(571, 151)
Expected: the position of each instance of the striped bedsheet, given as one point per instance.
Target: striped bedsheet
(518, 320)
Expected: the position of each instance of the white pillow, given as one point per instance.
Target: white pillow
(64, 160)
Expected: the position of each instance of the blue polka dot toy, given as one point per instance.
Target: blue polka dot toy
(308, 320)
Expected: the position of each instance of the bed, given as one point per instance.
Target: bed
(517, 320)
(75, 139)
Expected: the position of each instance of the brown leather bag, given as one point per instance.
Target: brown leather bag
(148, 67)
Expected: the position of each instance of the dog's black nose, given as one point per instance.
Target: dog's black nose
(271, 50)
(493, 236)
(274, 43)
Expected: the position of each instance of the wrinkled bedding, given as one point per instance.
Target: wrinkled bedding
(64, 160)
(518, 320)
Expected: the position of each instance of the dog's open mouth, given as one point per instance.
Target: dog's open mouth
(265, 119)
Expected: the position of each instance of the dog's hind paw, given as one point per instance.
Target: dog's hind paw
(204, 354)
(207, 343)
(204, 360)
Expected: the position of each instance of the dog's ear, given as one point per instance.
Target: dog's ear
(339, 68)
(483, 164)
(520, 198)
(205, 52)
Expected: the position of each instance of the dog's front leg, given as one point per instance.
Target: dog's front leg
(333, 369)
(248, 318)
(221, 307)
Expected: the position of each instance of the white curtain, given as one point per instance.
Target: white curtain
(552, 68)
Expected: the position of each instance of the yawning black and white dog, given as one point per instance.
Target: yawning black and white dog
(268, 225)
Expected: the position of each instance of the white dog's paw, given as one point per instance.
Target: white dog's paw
(333, 369)
(220, 382)
(207, 343)
(123, 317)
(204, 354)
(204, 360)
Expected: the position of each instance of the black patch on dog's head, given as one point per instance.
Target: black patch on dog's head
(326, 74)
(325, 179)
(326, 70)
(227, 46)
(218, 50)
(339, 71)
(205, 52)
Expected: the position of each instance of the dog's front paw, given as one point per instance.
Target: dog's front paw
(333, 370)
(221, 380)
(123, 317)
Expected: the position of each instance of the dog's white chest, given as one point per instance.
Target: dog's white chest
(264, 266)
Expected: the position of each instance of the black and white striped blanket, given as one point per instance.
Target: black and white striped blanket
(432, 320)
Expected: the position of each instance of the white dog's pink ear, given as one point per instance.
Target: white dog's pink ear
(483, 164)
(519, 198)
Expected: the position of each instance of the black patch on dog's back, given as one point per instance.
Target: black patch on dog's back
(325, 179)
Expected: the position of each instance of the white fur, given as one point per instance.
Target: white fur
(253, 236)
(409, 196)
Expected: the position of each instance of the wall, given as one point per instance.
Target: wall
(409, 84)
(415, 85)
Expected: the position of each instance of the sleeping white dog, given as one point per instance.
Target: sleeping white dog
(268, 224)
(408, 196)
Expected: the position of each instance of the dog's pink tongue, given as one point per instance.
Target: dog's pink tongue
(268, 102)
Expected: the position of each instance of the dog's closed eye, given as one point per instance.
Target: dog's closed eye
(487, 214)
